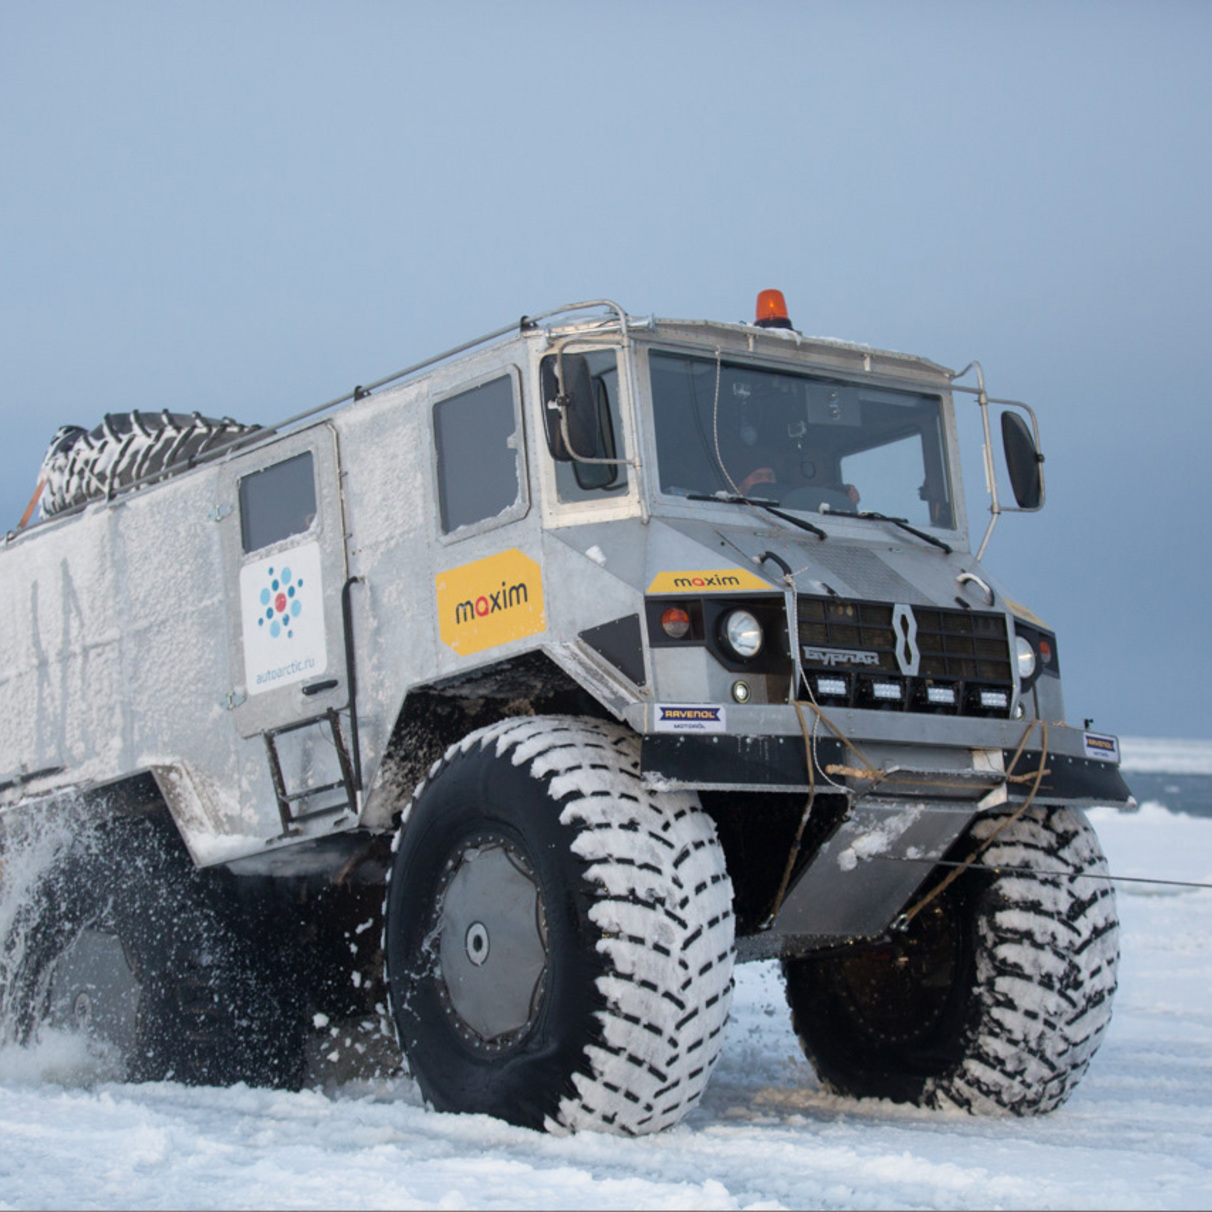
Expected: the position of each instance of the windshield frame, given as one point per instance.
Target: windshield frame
(929, 382)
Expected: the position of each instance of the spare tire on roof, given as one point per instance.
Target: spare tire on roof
(88, 465)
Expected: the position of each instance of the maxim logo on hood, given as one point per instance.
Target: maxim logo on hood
(709, 580)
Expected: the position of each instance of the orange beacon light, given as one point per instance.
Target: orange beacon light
(772, 310)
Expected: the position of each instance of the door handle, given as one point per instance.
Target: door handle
(320, 687)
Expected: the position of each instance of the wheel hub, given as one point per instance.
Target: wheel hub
(82, 1011)
(899, 991)
(477, 943)
(493, 975)
(95, 991)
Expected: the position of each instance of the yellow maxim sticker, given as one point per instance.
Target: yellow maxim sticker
(714, 580)
(490, 602)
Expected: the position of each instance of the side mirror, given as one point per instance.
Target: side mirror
(1023, 461)
(577, 421)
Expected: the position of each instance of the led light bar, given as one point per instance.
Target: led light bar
(941, 696)
(888, 692)
(832, 688)
(995, 700)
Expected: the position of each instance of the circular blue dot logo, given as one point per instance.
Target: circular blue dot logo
(280, 603)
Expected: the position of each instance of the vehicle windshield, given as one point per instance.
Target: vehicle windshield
(812, 444)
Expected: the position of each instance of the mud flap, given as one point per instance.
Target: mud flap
(859, 879)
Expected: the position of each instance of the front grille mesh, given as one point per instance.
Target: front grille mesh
(857, 641)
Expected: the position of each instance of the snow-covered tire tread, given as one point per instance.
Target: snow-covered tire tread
(661, 901)
(1046, 967)
(88, 465)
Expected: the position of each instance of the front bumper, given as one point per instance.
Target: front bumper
(766, 748)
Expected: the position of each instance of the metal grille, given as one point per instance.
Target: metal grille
(963, 644)
(850, 648)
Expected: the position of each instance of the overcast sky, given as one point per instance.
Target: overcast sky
(248, 208)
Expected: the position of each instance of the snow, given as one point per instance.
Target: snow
(1137, 1133)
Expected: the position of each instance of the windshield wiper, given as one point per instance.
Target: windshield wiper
(901, 522)
(768, 506)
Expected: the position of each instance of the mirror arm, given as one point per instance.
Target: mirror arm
(561, 404)
(982, 400)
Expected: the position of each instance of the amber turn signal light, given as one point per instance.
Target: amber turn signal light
(675, 623)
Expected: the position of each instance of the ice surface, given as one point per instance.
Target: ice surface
(1137, 1134)
(1161, 755)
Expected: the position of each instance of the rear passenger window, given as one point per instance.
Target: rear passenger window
(476, 435)
(277, 502)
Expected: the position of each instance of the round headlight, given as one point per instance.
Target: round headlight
(743, 634)
(1024, 656)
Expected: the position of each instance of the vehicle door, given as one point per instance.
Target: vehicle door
(488, 581)
(286, 584)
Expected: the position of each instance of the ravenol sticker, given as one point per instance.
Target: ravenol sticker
(1101, 748)
(682, 717)
(282, 611)
(712, 580)
(490, 602)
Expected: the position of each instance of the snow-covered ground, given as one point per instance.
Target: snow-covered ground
(1137, 1134)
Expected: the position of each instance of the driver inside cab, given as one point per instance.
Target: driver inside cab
(783, 470)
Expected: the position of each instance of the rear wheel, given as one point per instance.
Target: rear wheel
(127, 948)
(558, 938)
(997, 997)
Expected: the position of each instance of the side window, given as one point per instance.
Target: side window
(277, 502)
(476, 435)
(595, 428)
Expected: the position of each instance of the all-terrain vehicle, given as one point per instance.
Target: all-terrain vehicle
(555, 674)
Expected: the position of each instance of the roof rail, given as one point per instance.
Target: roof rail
(220, 449)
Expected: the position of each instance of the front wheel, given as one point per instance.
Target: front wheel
(559, 939)
(996, 998)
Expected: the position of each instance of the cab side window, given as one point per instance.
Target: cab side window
(277, 502)
(477, 441)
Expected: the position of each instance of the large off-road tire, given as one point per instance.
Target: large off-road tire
(997, 997)
(558, 938)
(126, 946)
(85, 465)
